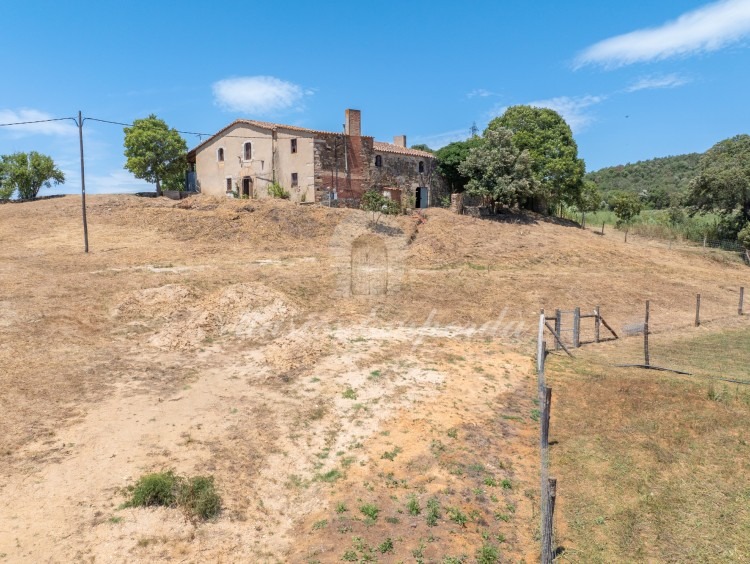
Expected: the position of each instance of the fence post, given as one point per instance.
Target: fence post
(548, 553)
(597, 324)
(546, 408)
(697, 310)
(742, 300)
(602, 228)
(647, 360)
(558, 324)
(577, 328)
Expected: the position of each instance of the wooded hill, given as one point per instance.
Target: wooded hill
(668, 174)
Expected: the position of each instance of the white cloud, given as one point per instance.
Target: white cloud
(708, 28)
(438, 140)
(257, 94)
(574, 109)
(115, 182)
(66, 127)
(657, 81)
(480, 92)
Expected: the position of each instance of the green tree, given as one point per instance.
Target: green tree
(590, 198)
(374, 202)
(626, 207)
(723, 182)
(422, 147)
(498, 171)
(744, 236)
(450, 157)
(155, 153)
(552, 150)
(27, 173)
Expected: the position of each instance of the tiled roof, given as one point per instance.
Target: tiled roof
(263, 125)
(390, 148)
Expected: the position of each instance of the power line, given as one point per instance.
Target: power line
(36, 121)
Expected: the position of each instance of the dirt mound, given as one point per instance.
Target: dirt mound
(183, 319)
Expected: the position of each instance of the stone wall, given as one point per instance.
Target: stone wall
(342, 165)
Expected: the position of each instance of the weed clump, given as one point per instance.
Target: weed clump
(196, 496)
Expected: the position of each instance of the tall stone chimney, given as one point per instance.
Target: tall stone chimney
(353, 124)
(399, 140)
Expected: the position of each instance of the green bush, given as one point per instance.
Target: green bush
(744, 236)
(276, 190)
(160, 488)
(196, 496)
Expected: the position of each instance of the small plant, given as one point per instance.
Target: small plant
(349, 393)
(413, 506)
(159, 488)
(374, 375)
(330, 476)
(457, 516)
(392, 454)
(370, 511)
(198, 497)
(276, 190)
(350, 556)
(115, 519)
(433, 512)
(322, 524)
(392, 520)
(453, 433)
(341, 507)
(506, 484)
(490, 481)
(386, 546)
(488, 554)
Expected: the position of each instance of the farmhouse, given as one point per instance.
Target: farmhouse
(247, 157)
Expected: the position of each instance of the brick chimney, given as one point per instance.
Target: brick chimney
(353, 125)
(399, 140)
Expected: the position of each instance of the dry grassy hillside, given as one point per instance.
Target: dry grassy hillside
(216, 337)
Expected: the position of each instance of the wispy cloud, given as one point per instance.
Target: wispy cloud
(116, 182)
(66, 127)
(437, 140)
(574, 109)
(658, 81)
(258, 94)
(705, 29)
(480, 93)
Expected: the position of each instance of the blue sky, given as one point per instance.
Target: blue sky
(635, 80)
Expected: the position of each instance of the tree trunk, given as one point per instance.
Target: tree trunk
(158, 188)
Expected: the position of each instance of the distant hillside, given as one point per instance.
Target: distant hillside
(668, 174)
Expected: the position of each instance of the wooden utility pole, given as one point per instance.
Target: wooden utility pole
(577, 328)
(83, 186)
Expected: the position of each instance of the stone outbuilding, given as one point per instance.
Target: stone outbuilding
(248, 156)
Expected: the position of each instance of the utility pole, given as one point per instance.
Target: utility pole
(83, 186)
(474, 129)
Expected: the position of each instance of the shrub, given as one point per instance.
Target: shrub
(276, 190)
(196, 496)
(744, 236)
(160, 488)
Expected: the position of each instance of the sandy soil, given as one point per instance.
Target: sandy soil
(217, 337)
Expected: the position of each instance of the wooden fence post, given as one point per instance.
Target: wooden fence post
(577, 328)
(602, 228)
(697, 310)
(646, 358)
(558, 324)
(742, 300)
(545, 416)
(597, 324)
(548, 553)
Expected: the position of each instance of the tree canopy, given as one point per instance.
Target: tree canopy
(553, 152)
(626, 207)
(422, 147)
(723, 181)
(590, 198)
(657, 181)
(155, 153)
(498, 171)
(450, 157)
(27, 173)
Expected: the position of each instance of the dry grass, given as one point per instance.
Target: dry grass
(652, 466)
(103, 382)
